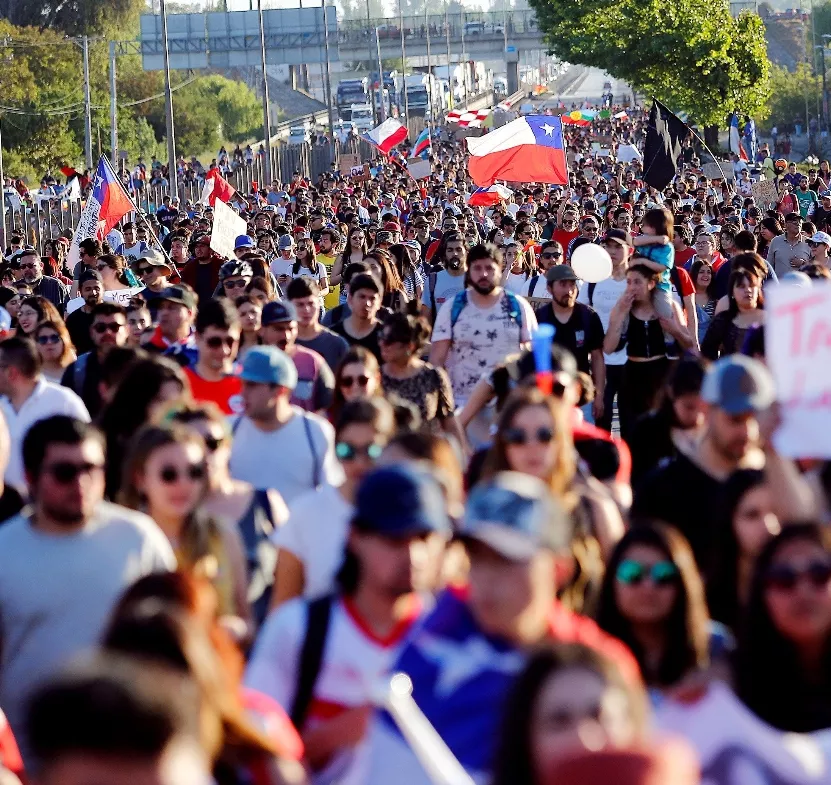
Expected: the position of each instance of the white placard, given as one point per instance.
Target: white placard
(419, 168)
(227, 227)
(119, 296)
(798, 349)
(627, 153)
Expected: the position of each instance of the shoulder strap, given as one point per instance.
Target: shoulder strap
(79, 374)
(310, 438)
(235, 425)
(591, 294)
(431, 285)
(532, 287)
(459, 303)
(311, 657)
(514, 308)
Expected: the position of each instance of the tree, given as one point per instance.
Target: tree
(239, 110)
(791, 92)
(691, 54)
(73, 17)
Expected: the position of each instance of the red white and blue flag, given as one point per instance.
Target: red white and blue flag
(529, 149)
(735, 138)
(422, 144)
(387, 135)
(107, 205)
(488, 197)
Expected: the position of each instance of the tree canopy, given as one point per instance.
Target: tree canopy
(691, 54)
(72, 17)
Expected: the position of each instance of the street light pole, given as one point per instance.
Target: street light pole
(87, 106)
(382, 115)
(404, 65)
(430, 78)
(447, 41)
(327, 85)
(266, 98)
(113, 110)
(369, 28)
(172, 174)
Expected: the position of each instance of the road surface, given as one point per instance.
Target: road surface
(579, 84)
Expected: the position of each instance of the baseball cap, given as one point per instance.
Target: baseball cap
(89, 275)
(414, 244)
(820, 237)
(278, 311)
(152, 257)
(515, 514)
(620, 236)
(391, 226)
(243, 241)
(560, 272)
(383, 237)
(268, 365)
(179, 294)
(286, 241)
(738, 385)
(400, 501)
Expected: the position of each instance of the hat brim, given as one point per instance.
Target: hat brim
(506, 541)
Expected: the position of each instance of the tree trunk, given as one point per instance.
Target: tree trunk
(711, 136)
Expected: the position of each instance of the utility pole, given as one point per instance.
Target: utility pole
(87, 107)
(2, 196)
(404, 65)
(172, 175)
(447, 38)
(327, 84)
(431, 78)
(113, 110)
(383, 113)
(266, 100)
(463, 59)
(369, 29)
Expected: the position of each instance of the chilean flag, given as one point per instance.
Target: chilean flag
(422, 144)
(107, 205)
(216, 187)
(529, 149)
(387, 135)
(735, 140)
(488, 197)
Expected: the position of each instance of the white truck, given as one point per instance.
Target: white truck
(362, 117)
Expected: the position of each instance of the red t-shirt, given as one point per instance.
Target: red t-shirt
(226, 393)
(563, 237)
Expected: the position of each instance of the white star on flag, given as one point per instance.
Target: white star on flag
(549, 129)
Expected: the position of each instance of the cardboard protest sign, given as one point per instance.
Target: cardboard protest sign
(764, 192)
(419, 168)
(347, 162)
(723, 170)
(227, 227)
(627, 153)
(798, 349)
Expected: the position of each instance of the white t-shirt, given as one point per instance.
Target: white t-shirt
(605, 295)
(540, 289)
(119, 296)
(57, 592)
(316, 534)
(353, 663)
(447, 286)
(46, 400)
(282, 266)
(480, 340)
(516, 283)
(283, 459)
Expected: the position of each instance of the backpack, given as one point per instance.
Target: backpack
(532, 286)
(319, 612)
(460, 301)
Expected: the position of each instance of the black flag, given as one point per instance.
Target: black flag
(664, 135)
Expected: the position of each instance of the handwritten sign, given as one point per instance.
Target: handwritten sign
(419, 168)
(764, 192)
(347, 163)
(798, 349)
(721, 170)
(227, 227)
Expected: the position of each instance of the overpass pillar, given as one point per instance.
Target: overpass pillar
(512, 68)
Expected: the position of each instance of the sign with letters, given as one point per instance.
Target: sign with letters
(227, 227)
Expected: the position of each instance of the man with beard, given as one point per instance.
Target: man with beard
(322, 660)
(44, 285)
(64, 561)
(481, 325)
(685, 491)
(91, 289)
(577, 328)
(446, 283)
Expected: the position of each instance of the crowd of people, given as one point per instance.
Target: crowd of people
(240, 494)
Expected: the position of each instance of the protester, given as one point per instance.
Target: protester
(78, 323)
(154, 272)
(55, 349)
(362, 326)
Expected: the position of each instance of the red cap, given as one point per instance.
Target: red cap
(392, 226)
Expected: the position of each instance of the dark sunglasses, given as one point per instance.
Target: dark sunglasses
(102, 327)
(45, 340)
(235, 284)
(30, 266)
(348, 381)
(101, 267)
(170, 474)
(216, 341)
(785, 577)
(348, 452)
(633, 573)
(518, 436)
(552, 255)
(212, 443)
(144, 270)
(65, 472)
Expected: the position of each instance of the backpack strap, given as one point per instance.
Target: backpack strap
(459, 303)
(431, 285)
(236, 424)
(514, 308)
(316, 472)
(319, 612)
(532, 287)
(79, 374)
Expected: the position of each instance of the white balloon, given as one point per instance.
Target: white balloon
(591, 263)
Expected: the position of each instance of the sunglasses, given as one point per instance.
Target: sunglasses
(212, 443)
(349, 381)
(31, 266)
(216, 341)
(552, 255)
(65, 472)
(45, 340)
(348, 452)
(170, 474)
(518, 436)
(633, 573)
(103, 327)
(144, 270)
(234, 284)
(785, 577)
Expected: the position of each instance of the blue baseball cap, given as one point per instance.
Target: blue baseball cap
(400, 501)
(516, 515)
(269, 365)
(278, 311)
(738, 385)
(244, 241)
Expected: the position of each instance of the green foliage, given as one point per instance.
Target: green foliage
(790, 91)
(691, 54)
(74, 17)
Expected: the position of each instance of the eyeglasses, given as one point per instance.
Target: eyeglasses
(520, 437)
(45, 340)
(170, 474)
(144, 270)
(785, 577)
(101, 267)
(29, 266)
(216, 341)
(633, 573)
(102, 327)
(64, 472)
(348, 452)
(241, 284)
(552, 255)
(349, 381)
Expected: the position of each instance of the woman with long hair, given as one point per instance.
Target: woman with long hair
(355, 250)
(675, 425)
(653, 600)
(635, 325)
(744, 523)
(728, 329)
(166, 476)
(407, 259)
(147, 388)
(357, 376)
(250, 312)
(261, 289)
(55, 349)
(517, 267)
(265, 243)
(307, 266)
(704, 281)
(117, 277)
(381, 265)
(33, 311)
(562, 691)
(783, 660)
(768, 228)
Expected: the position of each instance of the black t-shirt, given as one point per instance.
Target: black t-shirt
(581, 334)
(205, 282)
(821, 219)
(369, 342)
(78, 324)
(678, 492)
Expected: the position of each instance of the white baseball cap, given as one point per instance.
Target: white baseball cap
(820, 237)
